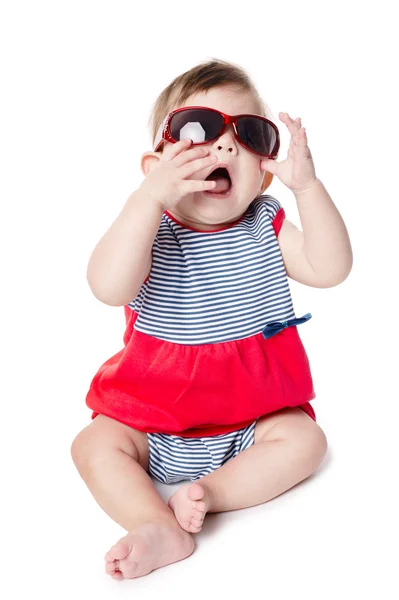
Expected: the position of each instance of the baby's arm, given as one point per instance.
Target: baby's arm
(321, 254)
(122, 259)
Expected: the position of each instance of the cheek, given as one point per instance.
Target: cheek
(251, 174)
(255, 172)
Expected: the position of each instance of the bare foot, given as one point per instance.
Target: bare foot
(190, 504)
(150, 546)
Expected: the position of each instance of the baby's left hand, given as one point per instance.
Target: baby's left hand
(297, 171)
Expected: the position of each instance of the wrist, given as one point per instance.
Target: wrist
(312, 184)
(149, 198)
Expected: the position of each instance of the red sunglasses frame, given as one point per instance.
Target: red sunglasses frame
(165, 134)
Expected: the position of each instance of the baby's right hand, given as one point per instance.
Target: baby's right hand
(169, 181)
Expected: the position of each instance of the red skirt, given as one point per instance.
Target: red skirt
(158, 386)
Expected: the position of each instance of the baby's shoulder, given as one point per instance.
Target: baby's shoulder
(268, 204)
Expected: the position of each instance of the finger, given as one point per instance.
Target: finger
(299, 140)
(296, 122)
(189, 186)
(302, 137)
(172, 150)
(293, 126)
(199, 164)
(190, 154)
(269, 165)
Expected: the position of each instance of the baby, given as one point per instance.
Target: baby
(213, 385)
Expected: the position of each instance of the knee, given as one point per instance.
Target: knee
(313, 445)
(317, 446)
(95, 442)
(82, 448)
(308, 438)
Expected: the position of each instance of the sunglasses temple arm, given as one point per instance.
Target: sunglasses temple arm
(159, 136)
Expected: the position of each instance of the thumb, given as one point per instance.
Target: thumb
(267, 164)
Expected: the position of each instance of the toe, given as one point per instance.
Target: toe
(195, 491)
(119, 551)
(117, 575)
(110, 567)
(129, 569)
(200, 506)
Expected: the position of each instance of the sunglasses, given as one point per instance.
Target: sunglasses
(257, 134)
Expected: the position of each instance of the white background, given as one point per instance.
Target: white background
(78, 80)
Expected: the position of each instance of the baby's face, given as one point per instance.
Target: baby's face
(200, 211)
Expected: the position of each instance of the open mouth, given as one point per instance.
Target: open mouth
(223, 182)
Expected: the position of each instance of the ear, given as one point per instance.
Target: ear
(267, 179)
(148, 161)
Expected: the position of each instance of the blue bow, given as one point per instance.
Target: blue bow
(277, 326)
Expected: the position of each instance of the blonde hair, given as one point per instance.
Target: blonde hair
(203, 77)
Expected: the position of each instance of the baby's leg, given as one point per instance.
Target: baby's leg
(289, 446)
(112, 459)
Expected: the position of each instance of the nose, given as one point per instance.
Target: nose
(226, 141)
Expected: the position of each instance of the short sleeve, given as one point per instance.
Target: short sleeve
(275, 211)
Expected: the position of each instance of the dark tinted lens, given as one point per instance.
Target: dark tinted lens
(199, 125)
(258, 135)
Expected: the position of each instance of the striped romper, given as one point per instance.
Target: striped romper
(211, 344)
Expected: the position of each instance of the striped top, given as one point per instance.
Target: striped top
(196, 361)
(206, 287)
